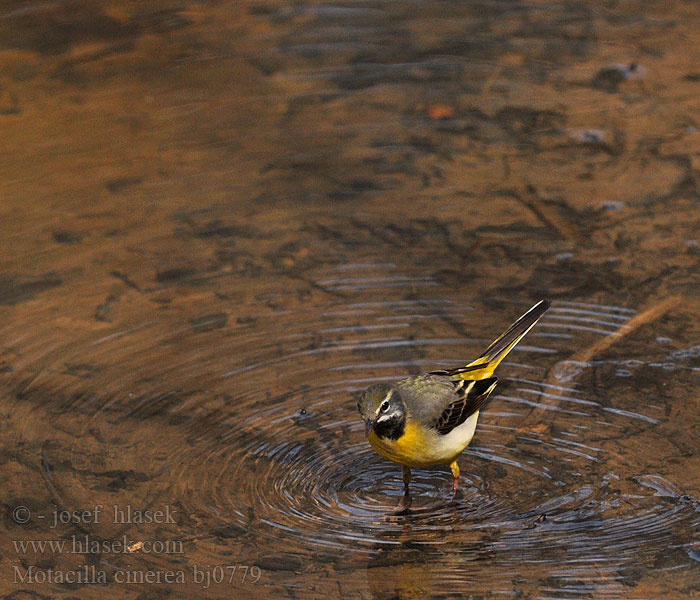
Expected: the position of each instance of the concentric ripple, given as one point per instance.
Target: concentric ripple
(222, 220)
(255, 437)
(296, 465)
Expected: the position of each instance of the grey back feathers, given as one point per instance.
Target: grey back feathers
(441, 402)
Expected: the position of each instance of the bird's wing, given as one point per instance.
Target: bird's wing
(441, 402)
(469, 397)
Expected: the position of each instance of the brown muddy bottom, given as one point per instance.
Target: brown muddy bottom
(223, 221)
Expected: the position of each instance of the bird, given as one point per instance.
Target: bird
(429, 419)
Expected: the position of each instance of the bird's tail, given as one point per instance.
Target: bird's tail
(486, 364)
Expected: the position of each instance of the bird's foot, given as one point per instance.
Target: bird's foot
(404, 505)
(454, 467)
(455, 487)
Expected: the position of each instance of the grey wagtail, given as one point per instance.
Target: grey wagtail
(429, 419)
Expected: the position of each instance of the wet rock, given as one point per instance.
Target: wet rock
(576, 277)
(120, 479)
(16, 289)
(280, 562)
(612, 142)
(613, 205)
(67, 237)
(230, 532)
(119, 184)
(219, 229)
(365, 76)
(528, 120)
(81, 370)
(589, 136)
(125, 279)
(104, 311)
(64, 25)
(174, 275)
(9, 103)
(261, 10)
(610, 78)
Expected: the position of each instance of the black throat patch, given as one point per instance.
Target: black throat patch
(391, 429)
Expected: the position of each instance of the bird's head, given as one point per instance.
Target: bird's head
(383, 411)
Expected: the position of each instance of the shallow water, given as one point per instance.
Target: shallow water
(223, 221)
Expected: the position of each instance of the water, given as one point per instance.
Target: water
(223, 221)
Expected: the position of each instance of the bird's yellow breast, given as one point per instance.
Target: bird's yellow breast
(412, 449)
(424, 447)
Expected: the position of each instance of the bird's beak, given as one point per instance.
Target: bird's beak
(369, 423)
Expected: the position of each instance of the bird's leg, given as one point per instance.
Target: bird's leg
(454, 467)
(405, 502)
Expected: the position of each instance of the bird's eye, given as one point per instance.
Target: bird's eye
(384, 407)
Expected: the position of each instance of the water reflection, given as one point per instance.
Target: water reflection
(223, 221)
